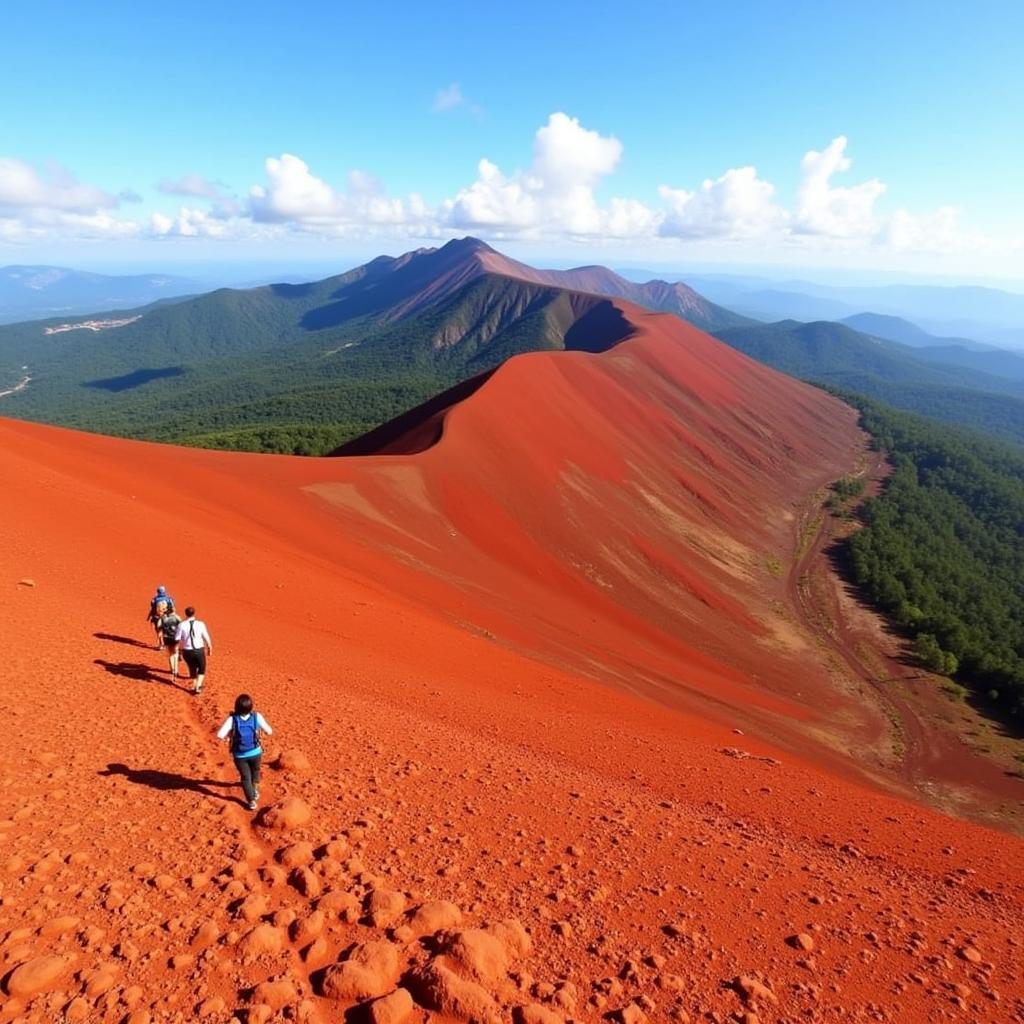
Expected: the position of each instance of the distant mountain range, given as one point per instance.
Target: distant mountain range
(949, 351)
(301, 367)
(925, 380)
(37, 292)
(308, 367)
(988, 315)
(896, 328)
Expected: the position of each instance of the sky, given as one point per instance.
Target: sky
(874, 136)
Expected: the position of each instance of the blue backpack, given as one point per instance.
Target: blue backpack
(243, 736)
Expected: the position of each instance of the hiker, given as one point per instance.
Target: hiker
(196, 644)
(155, 611)
(167, 627)
(243, 726)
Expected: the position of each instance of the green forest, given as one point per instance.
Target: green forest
(941, 549)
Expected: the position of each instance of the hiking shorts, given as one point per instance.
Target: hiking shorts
(196, 661)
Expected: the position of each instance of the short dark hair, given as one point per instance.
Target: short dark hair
(189, 612)
(243, 704)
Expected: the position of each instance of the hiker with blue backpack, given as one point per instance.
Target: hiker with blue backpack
(243, 727)
(160, 603)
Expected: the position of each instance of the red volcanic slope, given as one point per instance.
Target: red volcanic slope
(513, 665)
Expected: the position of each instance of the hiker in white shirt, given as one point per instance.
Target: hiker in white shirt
(194, 638)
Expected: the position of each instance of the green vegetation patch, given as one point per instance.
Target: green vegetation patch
(941, 550)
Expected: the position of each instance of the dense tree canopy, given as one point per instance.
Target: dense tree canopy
(942, 548)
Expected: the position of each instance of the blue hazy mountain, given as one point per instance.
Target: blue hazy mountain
(39, 292)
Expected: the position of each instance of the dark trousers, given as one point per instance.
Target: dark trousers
(249, 772)
(196, 661)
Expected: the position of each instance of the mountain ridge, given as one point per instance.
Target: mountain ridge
(298, 367)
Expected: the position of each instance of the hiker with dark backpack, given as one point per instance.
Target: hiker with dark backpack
(243, 727)
(167, 626)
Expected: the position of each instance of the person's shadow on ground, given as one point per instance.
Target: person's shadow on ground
(140, 673)
(114, 638)
(156, 779)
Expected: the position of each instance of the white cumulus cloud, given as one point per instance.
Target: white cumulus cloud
(558, 193)
(294, 195)
(935, 232)
(555, 194)
(493, 202)
(190, 222)
(835, 211)
(738, 204)
(23, 187)
(46, 202)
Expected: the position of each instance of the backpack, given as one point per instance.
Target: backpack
(169, 626)
(243, 734)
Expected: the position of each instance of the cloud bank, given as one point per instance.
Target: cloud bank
(559, 194)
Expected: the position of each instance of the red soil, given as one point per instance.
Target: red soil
(516, 664)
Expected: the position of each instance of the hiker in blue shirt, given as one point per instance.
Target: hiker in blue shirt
(161, 597)
(244, 726)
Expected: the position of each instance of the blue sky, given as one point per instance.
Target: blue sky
(600, 124)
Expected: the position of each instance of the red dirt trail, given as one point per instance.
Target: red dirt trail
(546, 672)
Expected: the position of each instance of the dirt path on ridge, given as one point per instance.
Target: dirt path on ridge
(921, 750)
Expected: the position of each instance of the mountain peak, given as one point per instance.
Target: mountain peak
(466, 246)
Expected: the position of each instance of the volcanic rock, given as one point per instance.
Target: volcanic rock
(305, 930)
(291, 813)
(294, 761)
(433, 917)
(38, 975)
(264, 938)
(383, 906)
(275, 994)
(480, 953)
(439, 988)
(370, 970)
(296, 855)
(391, 1009)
